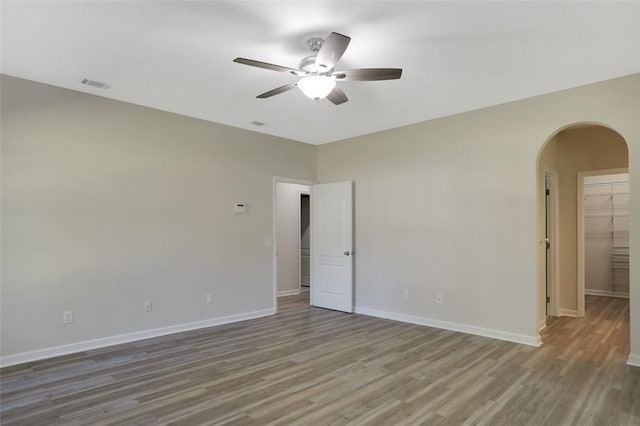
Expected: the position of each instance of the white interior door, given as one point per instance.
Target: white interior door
(332, 246)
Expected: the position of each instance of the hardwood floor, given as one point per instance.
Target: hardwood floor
(309, 366)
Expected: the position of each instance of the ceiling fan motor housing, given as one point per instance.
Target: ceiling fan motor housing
(308, 64)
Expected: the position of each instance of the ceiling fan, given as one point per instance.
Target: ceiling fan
(318, 77)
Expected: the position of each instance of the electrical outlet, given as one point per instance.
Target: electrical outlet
(67, 317)
(209, 297)
(147, 305)
(439, 298)
(405, 294)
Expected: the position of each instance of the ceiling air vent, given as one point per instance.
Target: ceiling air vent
(97, 84)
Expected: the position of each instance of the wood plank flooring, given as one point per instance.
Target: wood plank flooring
(308, 366)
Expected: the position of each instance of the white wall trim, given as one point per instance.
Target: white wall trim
(447, 325)
(634, 359)
(562, 312)
(289, 292)
(542, 324)
(86, 345)
(606, 293)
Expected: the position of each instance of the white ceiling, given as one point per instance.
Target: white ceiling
(177, 56)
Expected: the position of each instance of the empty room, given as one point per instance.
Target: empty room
(314, 213)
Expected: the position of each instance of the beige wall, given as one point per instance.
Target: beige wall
(569, 152)
(451, 206)
(107, 204)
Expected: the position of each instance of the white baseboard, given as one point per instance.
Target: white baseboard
(288, 292)
(542, 324)
(606, 293)
(86, 345)
(634, 359)
(567, 312)
(447, 325)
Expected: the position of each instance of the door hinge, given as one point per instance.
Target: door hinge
(546, 192)
(548, 299)
(548, 245)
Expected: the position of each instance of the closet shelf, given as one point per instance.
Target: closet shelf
(603, 215)
(606, 194)
(609, 202)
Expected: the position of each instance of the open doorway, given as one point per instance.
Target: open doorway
(603, 233)
(291, 238)
(573, 153)
(322, 220)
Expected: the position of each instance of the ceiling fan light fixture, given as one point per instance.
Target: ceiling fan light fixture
(317, 86)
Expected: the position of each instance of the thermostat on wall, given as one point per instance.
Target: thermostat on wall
(240, 208)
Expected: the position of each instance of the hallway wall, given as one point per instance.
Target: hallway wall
(571, 151)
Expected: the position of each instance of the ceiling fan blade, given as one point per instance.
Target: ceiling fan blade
(267, 66)
(337, 96)
(277, 91)
(368, 74)
(331, 51)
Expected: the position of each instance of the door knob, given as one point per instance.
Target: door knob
(347, 253)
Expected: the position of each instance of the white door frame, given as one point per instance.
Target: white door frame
(580, 222)
(274, 233)
(307, 193)
(553, 237)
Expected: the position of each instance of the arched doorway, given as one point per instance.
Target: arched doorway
(570, 153)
